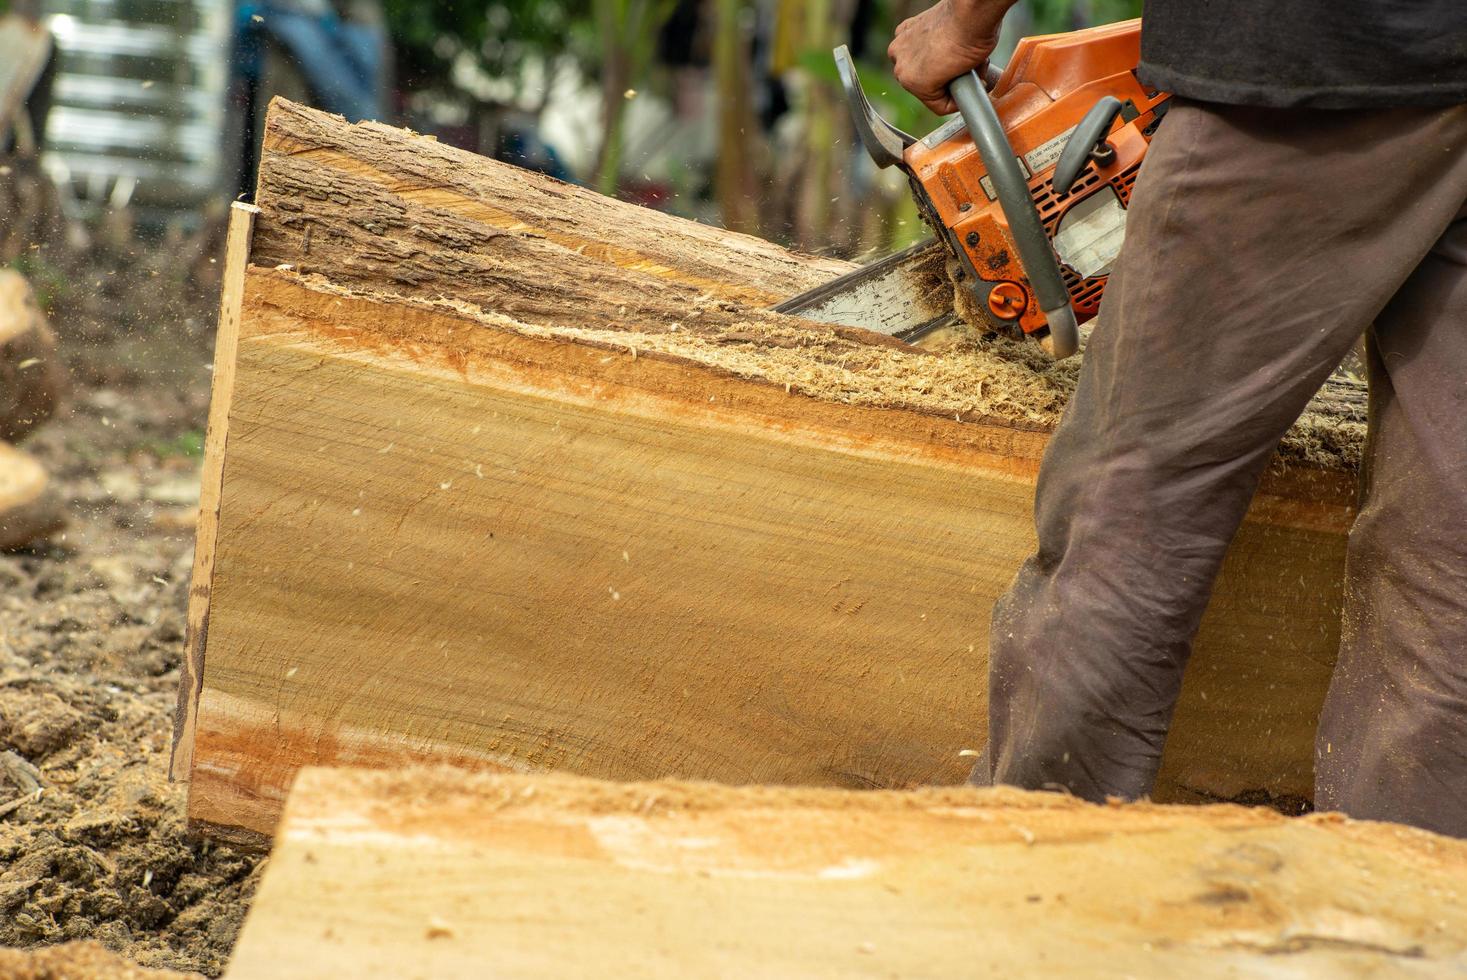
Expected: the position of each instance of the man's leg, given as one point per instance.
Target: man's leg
(1393, 739)
(1260, 244)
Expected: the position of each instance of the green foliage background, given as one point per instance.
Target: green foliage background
(501, 35)
(1053, 16)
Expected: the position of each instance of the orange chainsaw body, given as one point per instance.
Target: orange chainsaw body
(1048, 86)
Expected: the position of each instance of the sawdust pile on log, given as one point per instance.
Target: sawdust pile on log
(974, 378)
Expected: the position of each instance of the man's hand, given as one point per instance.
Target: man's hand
(942, 42)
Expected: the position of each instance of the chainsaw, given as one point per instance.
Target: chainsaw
(1026, 189)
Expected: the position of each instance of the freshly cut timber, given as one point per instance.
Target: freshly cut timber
(446, 874)
(507, 474)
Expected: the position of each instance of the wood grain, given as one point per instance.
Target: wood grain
(216, 443)
(487, 513)
(443, 874)
(501, 550)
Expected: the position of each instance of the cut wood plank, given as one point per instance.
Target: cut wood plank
(445, 874)
(515, 479)
(216, 439)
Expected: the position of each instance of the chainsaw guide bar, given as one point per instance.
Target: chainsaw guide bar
(905, 295)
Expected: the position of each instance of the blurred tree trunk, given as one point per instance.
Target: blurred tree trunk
(736, 173)
(827, 23)
(628, 30)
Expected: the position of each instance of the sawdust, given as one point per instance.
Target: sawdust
(975, 378)
(424, 789)
(988, 378)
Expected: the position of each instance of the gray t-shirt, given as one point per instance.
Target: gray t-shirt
(1328, 54)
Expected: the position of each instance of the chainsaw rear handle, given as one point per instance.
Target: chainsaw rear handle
(1088, 143)
(1012, 188)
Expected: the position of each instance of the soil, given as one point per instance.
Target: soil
(91, 636)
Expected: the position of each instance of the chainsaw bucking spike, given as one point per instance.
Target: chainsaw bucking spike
(883, 141)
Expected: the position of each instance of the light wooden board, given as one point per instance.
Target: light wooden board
(442, 874)
(216, 439)
(534, 503)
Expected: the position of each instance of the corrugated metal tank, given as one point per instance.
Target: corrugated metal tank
(138, 105)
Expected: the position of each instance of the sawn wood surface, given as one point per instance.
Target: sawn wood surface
(443, 874)
(512, 480)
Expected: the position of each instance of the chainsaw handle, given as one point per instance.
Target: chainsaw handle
(1012, 188)
(1088, 142)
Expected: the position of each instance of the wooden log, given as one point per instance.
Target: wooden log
(518, 477)
(28, 508)
(446, 874)
(32, 377)
(32, 380)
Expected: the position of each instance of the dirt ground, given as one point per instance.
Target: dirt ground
(91, 636)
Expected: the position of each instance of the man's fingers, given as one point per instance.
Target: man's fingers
(944, 106)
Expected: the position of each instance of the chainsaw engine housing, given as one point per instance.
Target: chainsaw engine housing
(1050, 85)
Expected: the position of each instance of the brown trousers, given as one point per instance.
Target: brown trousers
(1260, 244)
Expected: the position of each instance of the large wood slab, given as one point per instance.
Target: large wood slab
(533, 502)
(442, 874)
